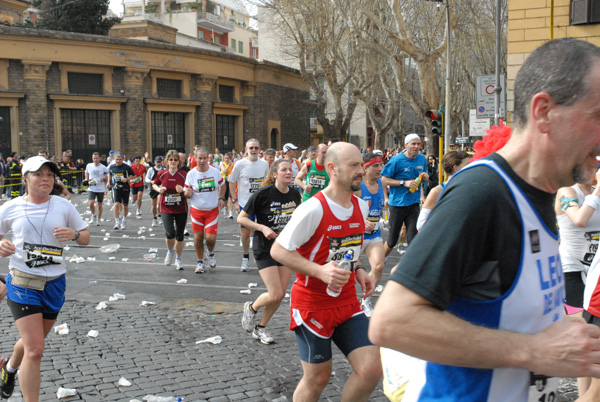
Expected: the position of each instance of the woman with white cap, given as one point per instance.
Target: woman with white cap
(40, 224)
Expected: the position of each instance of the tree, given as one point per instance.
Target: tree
(320, 36)
(83, 16)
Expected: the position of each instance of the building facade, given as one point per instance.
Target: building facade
(92, 93)
(532, 23)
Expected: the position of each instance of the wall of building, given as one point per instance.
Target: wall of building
(12, 11)
(529, 26)
(37, 91)
(241, 35)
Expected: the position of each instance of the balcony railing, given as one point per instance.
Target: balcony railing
(220, 24)
(313, 123)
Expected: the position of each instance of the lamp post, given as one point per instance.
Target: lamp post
(447, 105)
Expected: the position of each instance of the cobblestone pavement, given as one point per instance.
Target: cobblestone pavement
(154, 347)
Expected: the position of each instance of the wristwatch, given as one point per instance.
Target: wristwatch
(77, 234)
(234, 200)
(401, 182)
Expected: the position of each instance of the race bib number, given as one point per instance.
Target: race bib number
(117, 179)
(255, 184)
(206, 184)
(172, 199)
(593, 238)
(317, 181)
(39, 255)
(542, 388)
(137, 180)
(339, 246)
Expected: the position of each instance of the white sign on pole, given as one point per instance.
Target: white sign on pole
(477, 126)
(91, 139)
(486, 101)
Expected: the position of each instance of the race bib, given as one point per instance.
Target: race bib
(339, 246)
(206, 184)
(318, 181)
(137, 180)
(593, 240)
(374, 220)
(39, 255)
(542, 388)
(172, 199)
(117, 179)
(255, 184)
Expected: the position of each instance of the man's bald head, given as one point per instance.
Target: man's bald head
(338, 151)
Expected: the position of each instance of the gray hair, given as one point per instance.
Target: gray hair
(201, 149)
(560, 68)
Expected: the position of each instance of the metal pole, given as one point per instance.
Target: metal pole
(497, 88)
(447, 107)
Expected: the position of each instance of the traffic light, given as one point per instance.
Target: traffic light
(436, 121)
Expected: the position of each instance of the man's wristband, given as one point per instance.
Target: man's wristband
(357, 267)
(221, 199)
(234, 200)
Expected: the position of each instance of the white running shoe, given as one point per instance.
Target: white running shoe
(245, 262)
(248, 317)
(169, 258)
(212, 261)
(138, 212)
(367, 306)
(160, 222)
(185, 232)
(178, 264)
(117, 224)
(200, 267)
(262, 335)
(97, 221)
(154, 222)
(123, 224)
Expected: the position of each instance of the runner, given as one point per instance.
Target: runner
(290, 151)
(169, 183)
(248, 174)
(313, 176)
(154, 195)
(119, 176)
(273, 206)
(40, 224)
(96, 178)
(373, 191)
(137, 183)
(338, 216)
(205, 186)
(226, 167)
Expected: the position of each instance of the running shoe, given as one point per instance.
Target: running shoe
(123, 225)
(212, 261)
(138, 212)
(200, 267)
(367, 306)
(7, 380)
(262, 335)
(169, 258)
(97, 221)
(117, 224)
(245, 262)
(154, 222)
(185, 232)
(160, 222)
(248, 318)
(178, 264)
(230, 215)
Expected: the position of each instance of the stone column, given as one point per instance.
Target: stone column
(137, 132)
(36, 105)
(205, 92)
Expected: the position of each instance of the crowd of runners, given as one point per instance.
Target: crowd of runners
(474, 311)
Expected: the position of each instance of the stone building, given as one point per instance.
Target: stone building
(91, 93)
(532, 23)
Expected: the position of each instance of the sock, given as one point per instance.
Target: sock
(211, 253)
(9, 368)
(170, 251)
(252, 309)
(117, 221)
(200, 260)
(246, 256)
(177, 258)
(259, 326)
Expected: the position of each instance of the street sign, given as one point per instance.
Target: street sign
(486, 98)
(461, 140)
(477, 126)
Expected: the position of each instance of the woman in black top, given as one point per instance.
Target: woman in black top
(267, 212)
(432, 170)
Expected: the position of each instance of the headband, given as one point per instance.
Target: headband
(374, 161)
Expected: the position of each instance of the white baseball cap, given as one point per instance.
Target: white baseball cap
(411, 137)
(35, 163)
(289, 146)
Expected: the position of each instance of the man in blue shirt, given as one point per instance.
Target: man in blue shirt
(400, 175)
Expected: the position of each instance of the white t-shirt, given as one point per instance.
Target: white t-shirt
(307, 217)
(37, 250)
(205, 188)
(248, 175)
(151, 175)
(97, 173)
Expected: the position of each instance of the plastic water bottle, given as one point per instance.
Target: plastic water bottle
(418, 181)
(346, 264)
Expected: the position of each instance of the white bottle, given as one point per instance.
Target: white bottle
(346, 264)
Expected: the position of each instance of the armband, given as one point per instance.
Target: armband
(221, 199)
(592, 201)
(566, 201)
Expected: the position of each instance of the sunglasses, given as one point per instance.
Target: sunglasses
(254, 148)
